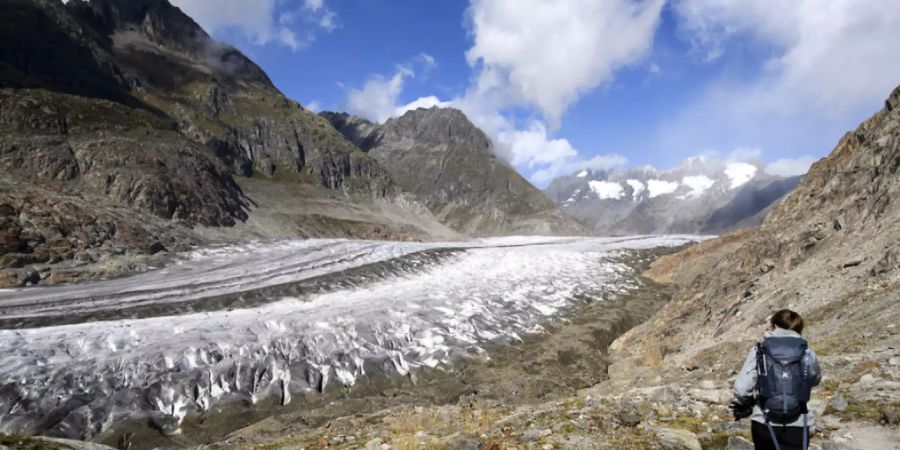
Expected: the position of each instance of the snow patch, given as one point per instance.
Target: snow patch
(637, 187)
(698, 184)
(739, 173)
(607, 189)
(660, 187)
(582, 174)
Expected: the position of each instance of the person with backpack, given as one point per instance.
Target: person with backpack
(774, 385)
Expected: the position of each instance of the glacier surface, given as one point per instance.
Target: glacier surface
(244, 322)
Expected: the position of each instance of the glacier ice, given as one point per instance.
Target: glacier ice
(276, 318)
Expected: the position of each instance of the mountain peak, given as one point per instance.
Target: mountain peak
(437, 125)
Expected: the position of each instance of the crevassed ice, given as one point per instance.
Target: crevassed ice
(88, 377)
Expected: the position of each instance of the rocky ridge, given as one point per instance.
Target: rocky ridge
(448, 163)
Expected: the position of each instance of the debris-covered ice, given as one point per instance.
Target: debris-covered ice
(268, 319)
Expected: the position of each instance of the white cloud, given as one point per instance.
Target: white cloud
(260, 21)
(790, 167)
(378, 99)
(535, 55)
(421, 102)
(547, 54)
(830, 63)
(314, 106)
(744, 154)
(313, 5)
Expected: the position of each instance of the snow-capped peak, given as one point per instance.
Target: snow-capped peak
(739, 173)
(660, 187)
(607, 189)
(637, 188)
(698, 184)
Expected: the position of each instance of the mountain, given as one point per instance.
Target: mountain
(126, 130)
(698, 196)
(829, 250)
(448, 163)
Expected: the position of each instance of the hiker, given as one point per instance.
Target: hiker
(774, 386)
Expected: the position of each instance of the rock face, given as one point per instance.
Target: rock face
(698, 196)
(129, 110)
(448, 163)
(827, 250)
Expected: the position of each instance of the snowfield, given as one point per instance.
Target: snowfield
(275, 318)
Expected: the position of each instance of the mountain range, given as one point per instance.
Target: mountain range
(700, 195)
(127, 131)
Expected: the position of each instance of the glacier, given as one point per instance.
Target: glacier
(272, 318)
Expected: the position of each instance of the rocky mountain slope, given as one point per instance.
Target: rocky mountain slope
(448, 163)
(128, 114)
(828, 250)
(698, 196)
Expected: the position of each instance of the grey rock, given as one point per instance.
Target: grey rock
(739, 443)
(467, 444)
(675, 439)
(630, 420)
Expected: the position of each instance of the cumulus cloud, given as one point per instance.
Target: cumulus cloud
(378, 99)
(263, 21)
(788, 167)
(534, 56)
(548, 54)
(830, 63)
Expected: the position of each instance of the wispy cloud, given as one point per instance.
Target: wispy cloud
(262, 22)
(379, 97)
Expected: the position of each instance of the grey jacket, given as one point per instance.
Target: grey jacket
(745, 384)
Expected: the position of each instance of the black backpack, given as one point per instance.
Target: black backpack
(782, 384)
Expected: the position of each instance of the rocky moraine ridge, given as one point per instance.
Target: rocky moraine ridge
(126, 131)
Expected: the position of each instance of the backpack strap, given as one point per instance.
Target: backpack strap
(761, 373)
(772, 434)
(761, 359)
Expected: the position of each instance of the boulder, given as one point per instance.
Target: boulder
(674, 439)
(739, 443)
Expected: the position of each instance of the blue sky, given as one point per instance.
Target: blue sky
(572, 84)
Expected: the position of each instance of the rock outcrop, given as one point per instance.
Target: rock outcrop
(448, 163)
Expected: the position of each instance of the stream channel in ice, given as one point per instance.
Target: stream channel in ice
(273, 318)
